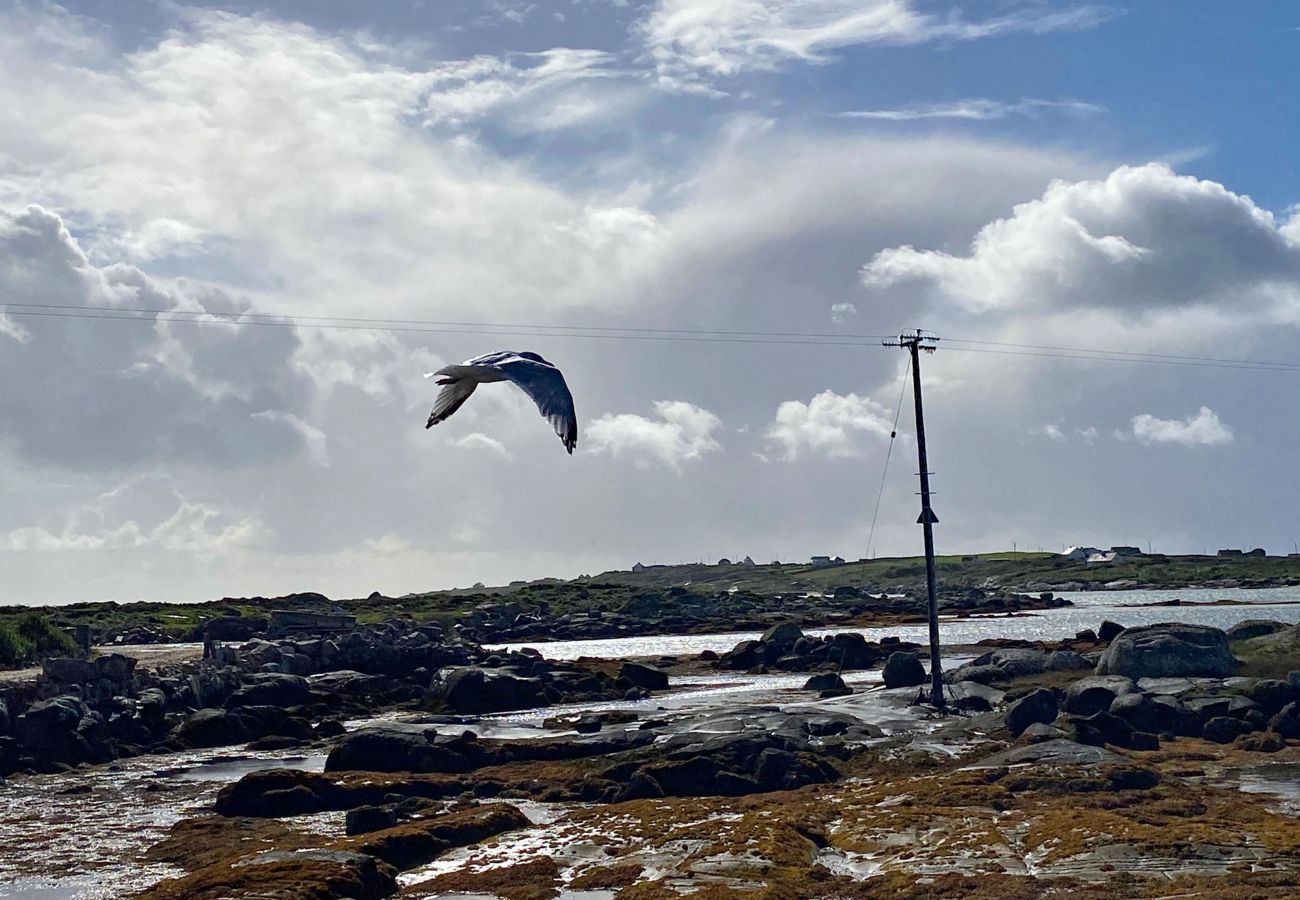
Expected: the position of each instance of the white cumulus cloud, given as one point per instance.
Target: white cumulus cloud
(829, 423)
(682, 433)
(476, 440)
(1203, 429)
(1143, 236)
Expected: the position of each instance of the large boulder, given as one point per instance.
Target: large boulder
(903, 670)
(473, 690)
(1169, 650)
(50, 732)
(1253, 628)
(1039, 706)
(782, 636)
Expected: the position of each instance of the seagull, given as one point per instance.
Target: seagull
(538, 378)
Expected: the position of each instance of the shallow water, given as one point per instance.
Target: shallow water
(1090, 608)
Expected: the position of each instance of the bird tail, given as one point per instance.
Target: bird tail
(449, 374)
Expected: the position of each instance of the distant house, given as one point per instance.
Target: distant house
(638, 567)
(1257, 552)
(1126, 551)
(747, 562)
(1079, 554)
(1103, 558)
(724, 562)
(1229, 554)
(828, 560)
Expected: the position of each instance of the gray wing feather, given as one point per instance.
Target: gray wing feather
(451, 398)
(546, 386)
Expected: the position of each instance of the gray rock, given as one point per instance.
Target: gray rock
(1052, 752)
(644, 676)
(784, 635)
(1224, 729)
(824, 681)
(978, 674)
(1037, 707)
(1039, 732)
(1109, 631)
(1168, 650)
(1095, 693)
(472, 690)
(1067, 661)
(1253, 628)
(903, 670)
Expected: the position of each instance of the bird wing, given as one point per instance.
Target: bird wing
(545, 384)
(451, 398)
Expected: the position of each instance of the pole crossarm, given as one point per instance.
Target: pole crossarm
(915, 342)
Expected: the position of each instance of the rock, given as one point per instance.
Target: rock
(1087, 636)
(1095, 693)
(1053, 752)
(50, 730)
(234, 628)
(1261, 742)
(979, 675)
(415, 843)
(473, 690)
(1018, 663)
(284, 874)
(365, 819)
(1109, 631)
(1039, 732)
(279, 690)
(1102, 728)
(390, 747)
(644, 676)
(1037, 707)
(826, 681)
(782, 636)
(1169, 650)
(1147, 714)
(1253, 628)
(1224, 729)
(903, 670)
(1067, 661)
(1287, 722)
(1271, 695)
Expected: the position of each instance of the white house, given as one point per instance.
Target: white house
(1079, 554)
(1100, 558)
(638, 568)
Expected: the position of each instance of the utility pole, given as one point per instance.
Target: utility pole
(914, 343)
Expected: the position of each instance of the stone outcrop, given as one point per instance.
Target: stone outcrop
(1168, 650)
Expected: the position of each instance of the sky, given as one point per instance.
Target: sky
(1114, 176)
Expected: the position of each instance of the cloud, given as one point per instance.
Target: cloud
(88, 394)
(1203, 429)
(842, 312)
(975, 110)
(694, 39)
(1141, 237)
(479, 441)
(830, 424)
(314, 440)
(142, 513)
(683, 433)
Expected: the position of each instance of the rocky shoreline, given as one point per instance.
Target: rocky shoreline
(1050, 756)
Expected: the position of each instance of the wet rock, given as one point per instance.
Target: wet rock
(1224, 729)
(1271, 695)
(1169, 650)
(50, 730)
(1109, 631)
(644, 676)
(328, 728)
(903, 670)
(1017, 663)
(233, 628)
(1040, 706)
(365, 819)
(415, 843)
(1096, 693)
(1147, 714)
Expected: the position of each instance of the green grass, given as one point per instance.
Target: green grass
(26, 637)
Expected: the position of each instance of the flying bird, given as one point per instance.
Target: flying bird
(538, 378)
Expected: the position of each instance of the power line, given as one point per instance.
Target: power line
(889, 451)
(148, 315)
